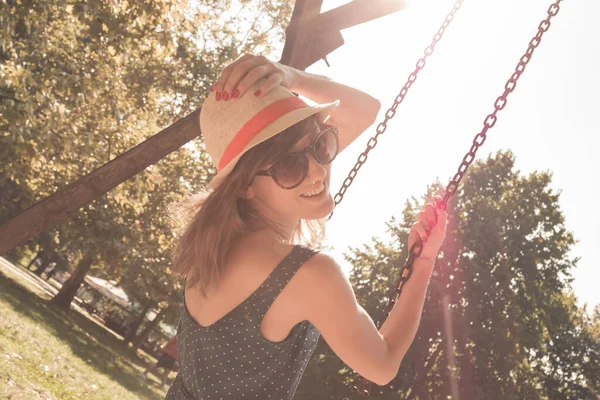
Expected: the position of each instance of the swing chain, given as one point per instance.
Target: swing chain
(501, 101)
(405, 272)
(364, 385)
(391, 112)
(478, 141)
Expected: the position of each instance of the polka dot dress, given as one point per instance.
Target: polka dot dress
(232, 360)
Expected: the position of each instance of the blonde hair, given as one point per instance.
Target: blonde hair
(213, 220)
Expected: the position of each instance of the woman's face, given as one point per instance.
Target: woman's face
(279, 204)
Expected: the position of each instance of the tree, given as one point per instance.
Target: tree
(500, 320)
(82, 82)
(69, 288)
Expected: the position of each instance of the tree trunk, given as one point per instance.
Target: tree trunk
(68, 290)
(137, 343)
(132, 330)
(33, 260)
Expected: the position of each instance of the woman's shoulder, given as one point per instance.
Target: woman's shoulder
(259, 251)
(321, 266)
(329, 287)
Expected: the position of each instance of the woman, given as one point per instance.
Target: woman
(256, 296)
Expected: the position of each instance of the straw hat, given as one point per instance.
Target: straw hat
(231, 128)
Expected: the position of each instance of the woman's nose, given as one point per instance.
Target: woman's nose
(316, 171)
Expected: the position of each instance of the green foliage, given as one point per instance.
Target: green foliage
(82, 82)
(499, 299)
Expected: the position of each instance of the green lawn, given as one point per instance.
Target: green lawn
(46, 354)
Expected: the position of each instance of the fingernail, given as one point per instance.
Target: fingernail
(235, 94)
(218, 96)
(212, 88)
(424, 239)
(257, 93)
(225, 96)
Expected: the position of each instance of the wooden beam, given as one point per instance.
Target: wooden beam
(298, 42)
(355, 13)
(310, 37)
(324, 45)
(61, 204)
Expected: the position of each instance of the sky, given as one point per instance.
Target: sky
(550, 122)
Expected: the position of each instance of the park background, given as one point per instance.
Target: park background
(84, 82)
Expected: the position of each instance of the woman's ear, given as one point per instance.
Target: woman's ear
(247, 193)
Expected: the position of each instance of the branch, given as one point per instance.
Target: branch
(241, 44)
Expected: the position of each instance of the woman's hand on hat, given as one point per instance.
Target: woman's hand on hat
(431, 229)
(241, 75)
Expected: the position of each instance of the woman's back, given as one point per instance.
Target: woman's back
(243, 339)
(249, 263)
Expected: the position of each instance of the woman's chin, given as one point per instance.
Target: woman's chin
(319, 208)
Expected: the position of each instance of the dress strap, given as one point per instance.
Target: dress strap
(266, 294)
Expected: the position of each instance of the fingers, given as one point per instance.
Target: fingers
(253, 76)
(268, 84)
(430, 216)
(241, 75)
(244, 76)
(427, 218)
(218, 85)
(430, 228)
(420, 230)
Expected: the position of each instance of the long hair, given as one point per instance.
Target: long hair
(213, 220)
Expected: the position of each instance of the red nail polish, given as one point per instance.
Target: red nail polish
(235, 94)
(212, 88)
(225, 96)
(257, 93)
(425, 239)
(218, 96)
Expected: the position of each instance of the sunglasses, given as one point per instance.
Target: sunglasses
(290, 170)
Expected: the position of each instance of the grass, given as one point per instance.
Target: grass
(47, 354)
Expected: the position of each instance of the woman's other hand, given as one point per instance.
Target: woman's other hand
(432, 233)
(239, 76)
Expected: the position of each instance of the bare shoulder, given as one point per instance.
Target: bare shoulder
(327, 300)
(323, 277)
(320, 269)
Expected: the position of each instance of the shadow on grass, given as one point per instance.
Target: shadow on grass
(88, 341)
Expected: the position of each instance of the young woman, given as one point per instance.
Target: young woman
(257, 297)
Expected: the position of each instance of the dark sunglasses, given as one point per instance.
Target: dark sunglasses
(291, 169)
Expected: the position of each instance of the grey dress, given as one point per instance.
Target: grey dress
(232, 360)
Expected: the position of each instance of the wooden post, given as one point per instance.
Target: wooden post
(310, 37)
(355, 13)
(298, 43)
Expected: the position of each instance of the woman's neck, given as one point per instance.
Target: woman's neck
(283, 230)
